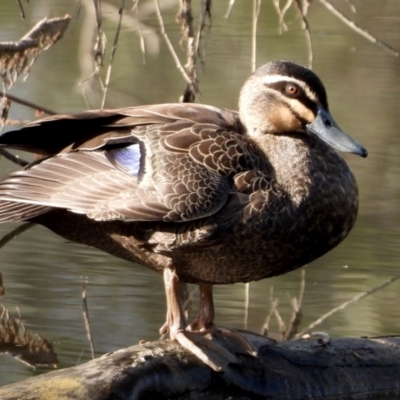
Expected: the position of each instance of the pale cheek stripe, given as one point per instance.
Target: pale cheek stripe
(297, 107)
(283, 78)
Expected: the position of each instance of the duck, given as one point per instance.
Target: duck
(199, 194)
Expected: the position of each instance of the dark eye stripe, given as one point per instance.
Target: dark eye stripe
(301, 97)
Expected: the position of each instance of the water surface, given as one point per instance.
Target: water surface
(43, 273)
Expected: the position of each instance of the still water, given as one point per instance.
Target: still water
(43, 274)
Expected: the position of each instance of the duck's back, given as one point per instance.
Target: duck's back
(184, 183)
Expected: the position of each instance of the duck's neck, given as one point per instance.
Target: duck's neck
(298, 161)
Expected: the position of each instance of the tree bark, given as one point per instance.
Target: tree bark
(298, 369)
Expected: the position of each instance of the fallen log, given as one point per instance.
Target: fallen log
(298, 369)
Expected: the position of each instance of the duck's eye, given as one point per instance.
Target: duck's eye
(291, 90)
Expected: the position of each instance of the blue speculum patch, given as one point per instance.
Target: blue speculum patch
(126, 158)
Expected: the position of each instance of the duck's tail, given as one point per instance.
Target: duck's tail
(13, 211)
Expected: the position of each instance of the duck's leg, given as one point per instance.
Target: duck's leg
(205, 318)
(176, 320)
(211, 353)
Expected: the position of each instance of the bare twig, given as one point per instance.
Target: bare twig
(246, 304)
(101, 40)
(4, 109)
(2, 290)
(30, 348)
(265, 327)
(135, 8)
(86, 315)
(27, 103)
(256, 13)
(21, 9)
(230, 6)
(114, 49)
(357, 29)
(14, 158)
(297, 314)
(169, 44)
(345, 304)
(16, 232)
(281, 13)
(185, 19)
(351, 5)
(273, 312)
(303, 6)
(17, 57)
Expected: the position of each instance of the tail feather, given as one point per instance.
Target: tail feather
(11, 211)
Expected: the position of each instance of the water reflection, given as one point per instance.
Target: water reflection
(42, 273)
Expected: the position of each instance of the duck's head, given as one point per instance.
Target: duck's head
(283, 97)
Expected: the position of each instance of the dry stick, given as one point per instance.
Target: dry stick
(27, 103)
(282, 25)
(2, 290)
(351, 5)
(256, 13)
(114, 49)
(357, 29)
(230, 6)
(169, 44)
(296, 305)
(205, 11)
(135, 8)
(185, 19)
(303, 13)
(265, 327)
(246, 304)
(14, 233)
(15, 158)
(282, 13)
(21, 9)
(101, 39)
(273, 311)
(86, 316)
(346, 303)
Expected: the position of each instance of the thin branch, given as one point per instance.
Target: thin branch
(345, 304)
(14, 158)
(2, 290)
(351, 5)
(230, 6)
(297, 314)
(185, 19)
(256, 13)
(100, 46)
(114, 49)
(273, 312)
(281, 13)
(135, 8)
(359, 30)
(86, 316)
(4, 109)
(246, 304)
(16, 232)
(16, 58)
(27, 103)
(21, 9)
(303, 6)
(169, 44)
(265, 327)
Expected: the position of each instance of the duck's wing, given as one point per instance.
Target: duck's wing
(155, 163)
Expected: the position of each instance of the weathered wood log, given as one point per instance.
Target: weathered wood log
(300, 369)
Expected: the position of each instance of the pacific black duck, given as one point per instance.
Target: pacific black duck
(201, 194)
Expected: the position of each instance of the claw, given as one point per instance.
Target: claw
(216, 348)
